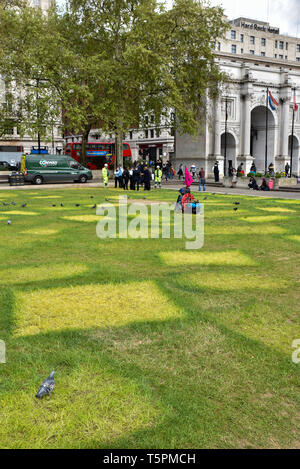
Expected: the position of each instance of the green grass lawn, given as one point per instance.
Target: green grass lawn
(153, 346)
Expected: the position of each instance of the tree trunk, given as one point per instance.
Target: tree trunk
(85, 137)
(118, 148)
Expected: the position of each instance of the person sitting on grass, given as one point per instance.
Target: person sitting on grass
(253, 184)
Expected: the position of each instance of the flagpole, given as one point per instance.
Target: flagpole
(225, 152)
(267, 123)
(292, 142)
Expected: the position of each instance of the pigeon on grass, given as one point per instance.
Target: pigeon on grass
(77, 205)
(237, 203)
(24, 205)
(235, 209)
(9, 222)
(95, 206)
(46, 387)
(62, 205)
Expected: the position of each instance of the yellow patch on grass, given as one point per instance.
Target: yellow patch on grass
(41, 232)
(44, 272)
(231, 230)
(176, 258)
(262, 219)
(294, 238)
(84, 218)
(276, 209)
(91, 306)
(19, 212)
(48, 197)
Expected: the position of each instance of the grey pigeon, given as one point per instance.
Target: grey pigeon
(205, 198)
(9, 222)
(92, 196)
(46, 387)
(95, 206)
(62, 205)
(107, 200)
(77, 205)
(5, 204)
(24, 205)
(53, 205)
(236, 203)
(13, 203)
(235, 209)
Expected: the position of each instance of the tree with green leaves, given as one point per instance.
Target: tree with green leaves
(111, 62)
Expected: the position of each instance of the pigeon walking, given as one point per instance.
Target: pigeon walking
(24, 205)
(94, 206)
(77, 205)
(236, 203)
(62, 205)
(46, 387)
(13, 203)
(235, 209)
(53, 205)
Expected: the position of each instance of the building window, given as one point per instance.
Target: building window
(251, 52)
(281, 57)
(233, 34)
(281, 44)
(252, 40)
(130, 135)
(146, 120)
(287, 46)
(286, 57)
(263, 42)
(276, 44)
(242, 37)
(172, 132)
(157, 133)
(219, 46)
(297, 59)
(242, 51)
(275, 56)
(298, 47)
(233, 49)
(152, 119)
(37, 3)
(151, 133)
(146, 133)
(263, 54)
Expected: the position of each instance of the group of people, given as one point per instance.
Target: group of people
(133, 178)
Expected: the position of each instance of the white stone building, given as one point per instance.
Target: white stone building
(246, 95)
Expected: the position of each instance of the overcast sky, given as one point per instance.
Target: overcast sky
(282, 13)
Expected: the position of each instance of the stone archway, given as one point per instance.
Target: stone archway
(295, 164)
(230, 149)
(258, 137)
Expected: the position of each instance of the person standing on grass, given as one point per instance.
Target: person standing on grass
(157, 177)
(125, 179)
(234, 178)
(202, 181)
(136, 178)
(147, 179)
(105, 175)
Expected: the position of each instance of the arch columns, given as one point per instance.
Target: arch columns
(245, 156)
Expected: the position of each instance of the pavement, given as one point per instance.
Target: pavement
(172, 186)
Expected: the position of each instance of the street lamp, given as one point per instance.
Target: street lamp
(38, 80)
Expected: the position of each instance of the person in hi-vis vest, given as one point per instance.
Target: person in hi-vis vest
(157, 177)
(105, 174)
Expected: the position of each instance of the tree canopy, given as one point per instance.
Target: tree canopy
(110, 62)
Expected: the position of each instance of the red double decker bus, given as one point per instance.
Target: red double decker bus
(99, 153)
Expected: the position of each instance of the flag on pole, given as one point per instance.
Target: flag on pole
(272, 101)
(295, 101)
(188, 178)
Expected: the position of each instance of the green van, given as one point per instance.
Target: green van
(53, 168)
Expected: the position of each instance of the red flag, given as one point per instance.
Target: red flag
(188, 178)
(295, 101)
